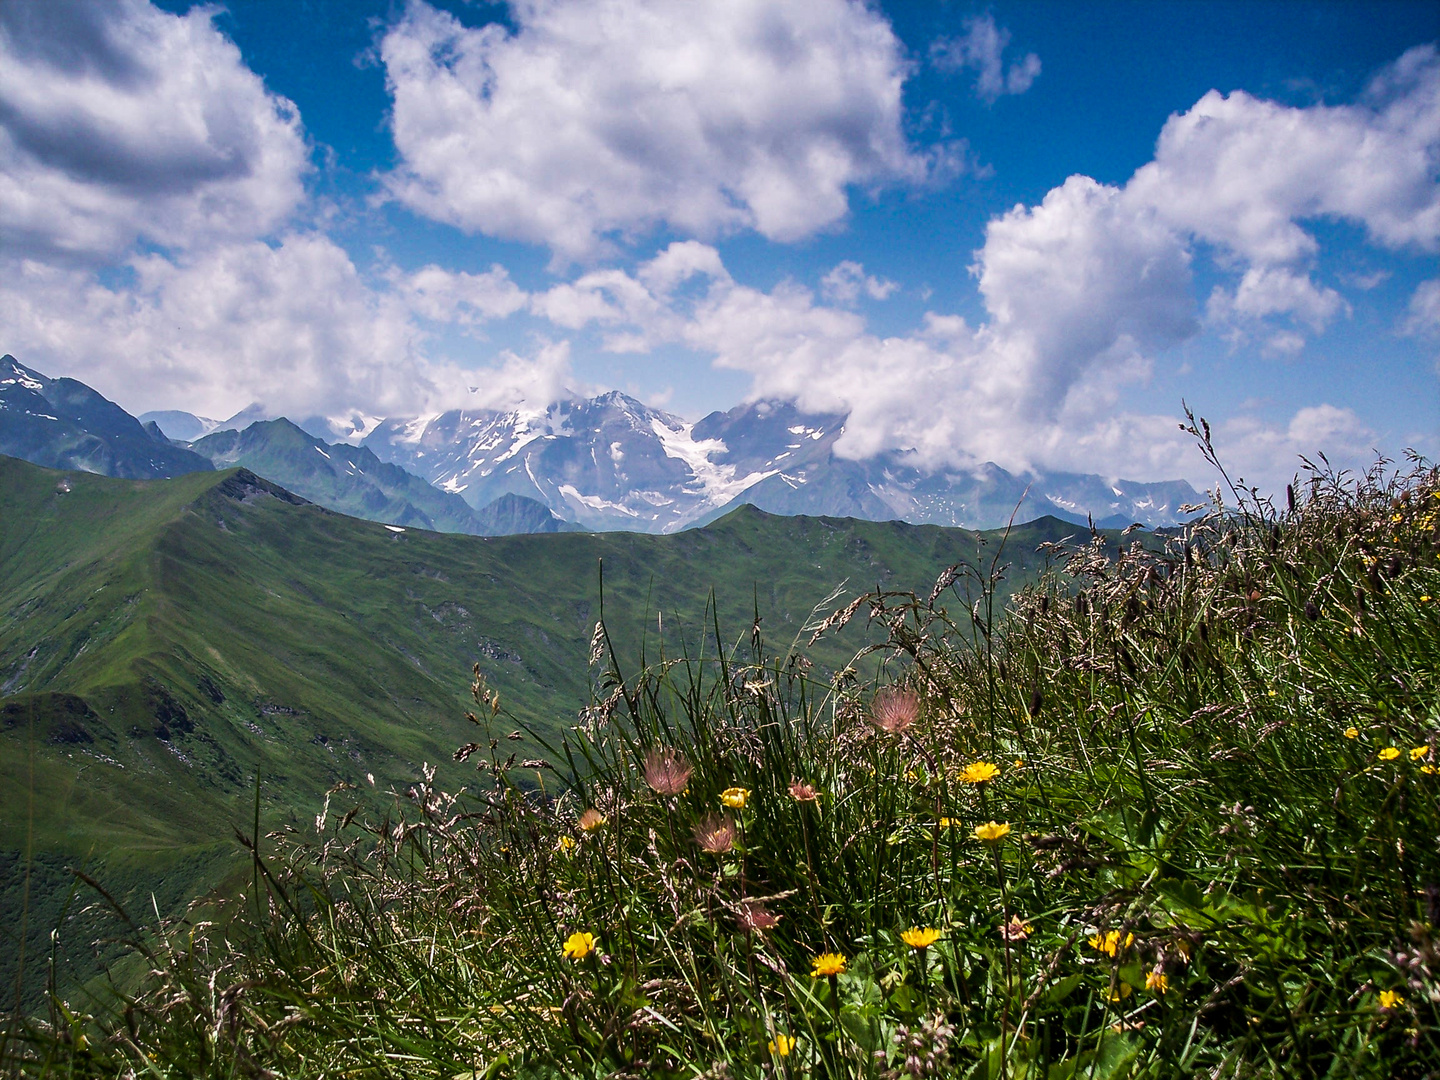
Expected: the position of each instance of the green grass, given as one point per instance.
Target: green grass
(1167, 813)
(162, 643)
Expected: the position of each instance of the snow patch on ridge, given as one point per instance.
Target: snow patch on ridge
(594, 502)
(717, 482)
(22, 378)
(526, 431)
(414, 430)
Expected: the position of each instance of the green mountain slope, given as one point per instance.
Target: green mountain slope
(162, 641)
(511, 515)
(347, 479)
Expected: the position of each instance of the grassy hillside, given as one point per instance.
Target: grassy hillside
(348, 479)
(1174, 813)
(161, 642)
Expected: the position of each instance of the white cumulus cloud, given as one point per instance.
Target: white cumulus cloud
(457, 297)
(119, 121)
(294, 327)
(845, 283)
(1244, 173)
(591, 121)
(981, 49)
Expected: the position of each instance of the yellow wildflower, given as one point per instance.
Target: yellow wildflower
(735, 797)
(992, 832)
(917, 938)
(827, 965)
(979, 772)
(1121, 992)
(567, 843)
(1156, 980)
(1418, 752)
(781, 1045)
(1110, 943)
(1352, 733)
(1390, 753)
(1428, 769)
(946, 822)
(1390, 998)
(579, 945)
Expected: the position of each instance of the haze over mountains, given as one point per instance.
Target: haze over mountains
(601, 463)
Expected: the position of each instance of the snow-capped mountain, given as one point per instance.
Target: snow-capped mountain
(612, 462)
(64, 424)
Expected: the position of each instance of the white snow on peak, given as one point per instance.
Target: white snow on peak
(322, 453)
(524, 435)
(23, 379)
(414, 430)
(451, 484)
(395, 528)
(717, 481)
(594, 502)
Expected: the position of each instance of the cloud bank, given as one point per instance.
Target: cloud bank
(597, 119)
(1084, 290)
(150, 188)
(120, 122)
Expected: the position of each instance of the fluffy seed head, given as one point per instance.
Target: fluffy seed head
(715, 834)
(666, 771)
(894, 709)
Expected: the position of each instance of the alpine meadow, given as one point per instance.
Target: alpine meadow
(725, 540)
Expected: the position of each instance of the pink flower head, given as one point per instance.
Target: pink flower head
(666, 771)
(715, 834)
(803, 791)
(894, 709)
(754, 915)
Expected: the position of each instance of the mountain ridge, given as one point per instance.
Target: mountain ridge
(611, 462)
(62, 423)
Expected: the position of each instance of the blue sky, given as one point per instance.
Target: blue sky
(1014, 232)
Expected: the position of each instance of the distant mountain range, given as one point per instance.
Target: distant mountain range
(352, 480)
(612, 462)
(64, 424)
(607, 462)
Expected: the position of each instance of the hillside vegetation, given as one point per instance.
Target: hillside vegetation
(1169, 813)
(163, 643)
